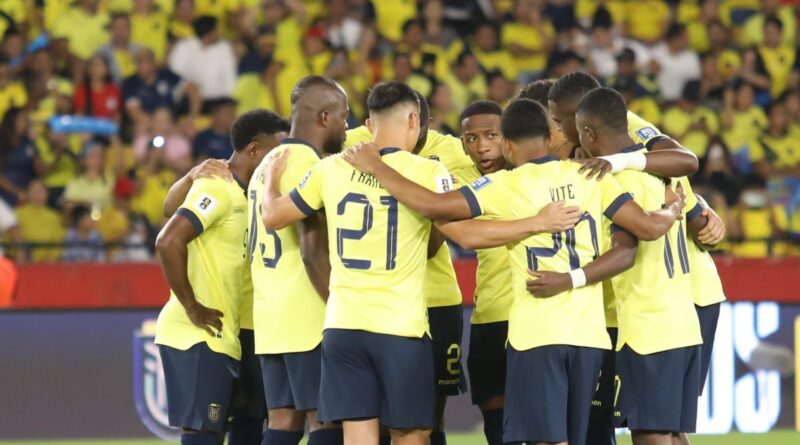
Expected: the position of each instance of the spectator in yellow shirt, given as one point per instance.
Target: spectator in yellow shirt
(404, 72)
(444, 115)
(12, 92)
(84, 27)
(529, 38)
(753, 30)
(773, 66)
(92, 186)
(742, 121)
(690, 122)
(391, 15)
(491, 57)
(499, 89)
(426, 58)
(181, 25)
(39, 224)
(149, 27)
(698, 28)
(153, 181)
(729, 58)
(756, 222)
(466, 83)
(120, 52)
(646, 20)
(776, 153)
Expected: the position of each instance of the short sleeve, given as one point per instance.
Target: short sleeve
(307, 196)
(488, 195)
(613, 196)
(440, 180)
(693, 208)
(206, 204)
(643, 132)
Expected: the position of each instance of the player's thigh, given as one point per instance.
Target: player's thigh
(537, 391)
(361, 432)
(304, 370)
(350, 388)
(249, 398)
(404, 367)
(446, 326)
(486, 363)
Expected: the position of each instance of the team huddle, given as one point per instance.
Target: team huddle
(312, 288)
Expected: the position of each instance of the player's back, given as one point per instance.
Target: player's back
(216, 266)
(574, 317)
(654, 298)
(288, 312)
(378, 247)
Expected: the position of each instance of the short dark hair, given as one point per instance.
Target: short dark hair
(675, 30)
(411, 22)
(772, 20)
(120, 16)
(691, 91)
(463, 56)
(572, 86)
(204, 25)
(387, 95)
(524, 119)
(602, 19)
(481, 107)
(216, 105)
(537, 91)
(424, 108)
(78, 212)
(311, 81)
(254, 123)
(606, 106)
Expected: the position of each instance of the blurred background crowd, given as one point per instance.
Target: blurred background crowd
(163, 80)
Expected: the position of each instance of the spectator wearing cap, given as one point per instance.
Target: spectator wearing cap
(92, 186)
(84, 27)
(773, 66)
(162, 135)
(120, 52)
(753, 30)
(206, 60)
(40, 224)
(528, 37)
(691, 123)
(149, 27)
(674, 63)
(83, 243)
(215, 142)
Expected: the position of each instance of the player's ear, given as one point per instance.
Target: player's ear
(413, 120)
(323, 118)
(368, 124)
(590, 133)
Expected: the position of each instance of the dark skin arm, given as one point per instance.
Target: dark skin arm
(314, 251)
(172, 249)
(666, 158)
(435, 242)
(649, 226)
(618, 259)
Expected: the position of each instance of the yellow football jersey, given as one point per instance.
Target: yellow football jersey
(655, 309)
(216, 267)
(575, 317)
(493, 293)
(288, 313)
(378, 247)
(441, 284)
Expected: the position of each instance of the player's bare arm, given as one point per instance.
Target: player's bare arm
(314, 251)
(435, 242)
(667, 158)
(172, 249)
(206, 169)
(650, 225)
(277, 211)
(713, 232)
(450, 206)
(618, 259)
(482, 234)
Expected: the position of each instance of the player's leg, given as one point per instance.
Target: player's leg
(199, 392)
(249, 407)
(486, 364)
(285, 424)
(584, 370)
(404, 367)
(708, 317)
(601, 415)
(350, 391)
(446, 325)
(537, 393)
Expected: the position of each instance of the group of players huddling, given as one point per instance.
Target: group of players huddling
(311, 286)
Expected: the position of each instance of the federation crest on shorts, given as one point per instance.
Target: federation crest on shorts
(149, 390)
(213, 412)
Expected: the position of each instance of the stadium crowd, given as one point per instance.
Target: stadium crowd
(720, 76)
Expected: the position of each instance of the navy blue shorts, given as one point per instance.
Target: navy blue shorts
(447, 324)
(248, 399)
(601, 416)
(291, 380)
(367, 375)
(486, 361)
(199, 385)
(708, 316)
(549, 393)
(658, 392)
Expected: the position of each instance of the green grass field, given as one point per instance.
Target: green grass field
(774, 438)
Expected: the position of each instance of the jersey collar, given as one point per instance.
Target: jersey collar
(632, 148)
(241, 184)
(301, 142)
(388, 150)
(544, 159)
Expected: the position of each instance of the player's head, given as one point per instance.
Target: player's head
(257, 132)
(424, 121)
(394, 110)
(319, 107)
(480, 134)
(526, 132)
(601, 114)
(563, 100)
(538, 91)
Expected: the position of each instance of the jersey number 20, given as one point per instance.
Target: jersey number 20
(534, 253)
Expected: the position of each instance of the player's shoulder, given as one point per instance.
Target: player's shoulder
(356, 136)
(641, 127)
(447, 149)
(296, 148)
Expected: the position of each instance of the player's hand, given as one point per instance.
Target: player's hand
(548, 284)
(594, 168)
(676, 199)
(210, 168)
(714, 231)
(364, 157)
(205, 318)
(554, 217)
(276, 166)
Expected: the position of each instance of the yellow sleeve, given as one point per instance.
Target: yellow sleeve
(206, 203)
(642, 131)
(712, 121)
(613, 196)
(440, 180)
(488, 195)
(356, 136)
(308, 194)
(693, 207)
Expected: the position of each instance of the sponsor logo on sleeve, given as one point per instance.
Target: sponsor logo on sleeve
(205, 204)
(646, 133)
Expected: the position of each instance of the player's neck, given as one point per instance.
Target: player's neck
(316, 139)
(240, 168)
(386, 136)
(614, 144)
